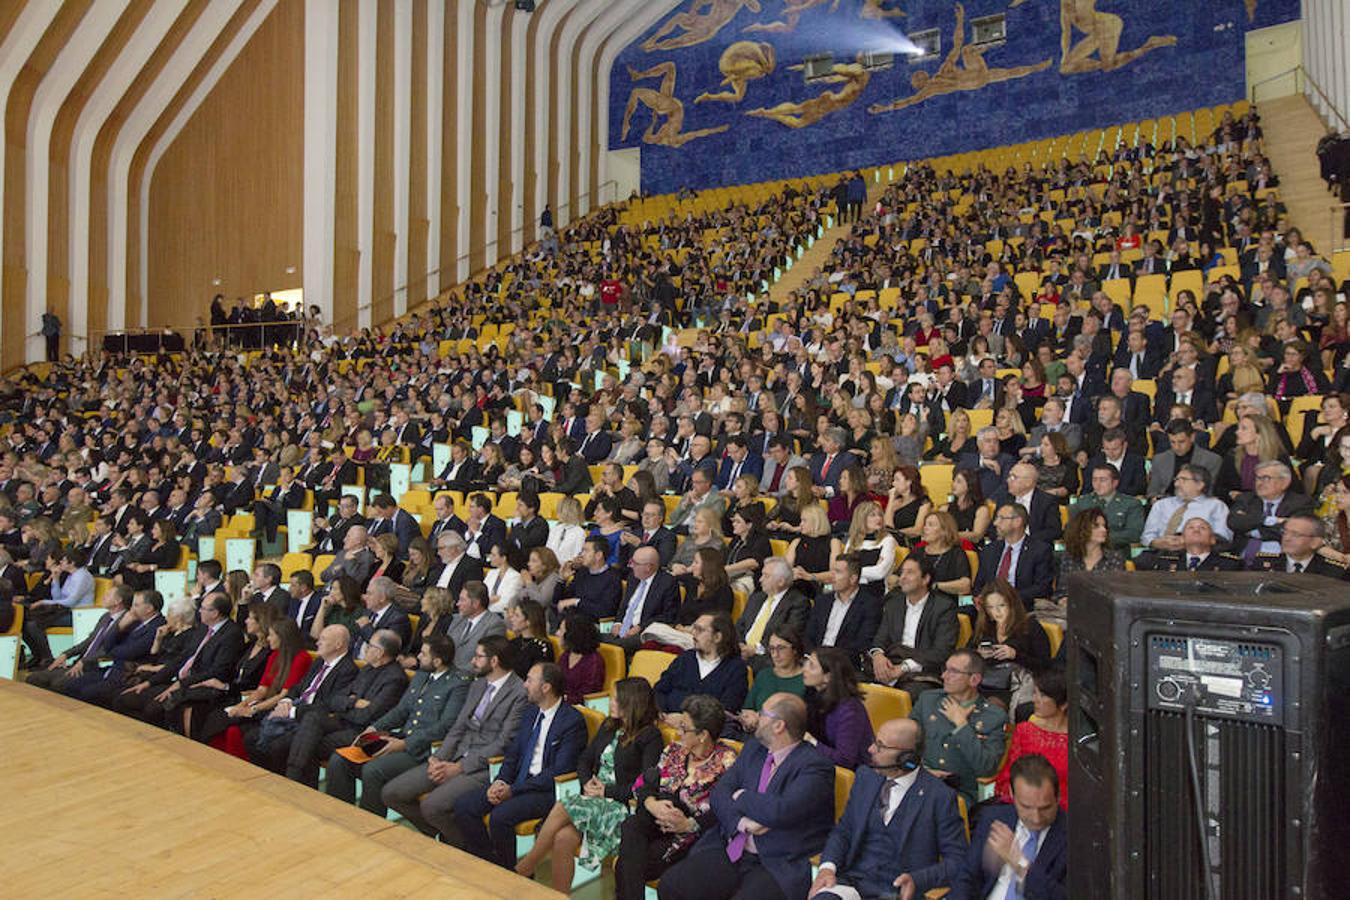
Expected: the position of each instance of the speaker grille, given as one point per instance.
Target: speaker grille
(1242, 775)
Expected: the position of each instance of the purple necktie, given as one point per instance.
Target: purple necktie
(736, 848)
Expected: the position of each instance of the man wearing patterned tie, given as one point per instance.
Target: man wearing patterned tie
(70, 665)
(901, 831)
(771, 812)
(547, 744)
(1019, 851)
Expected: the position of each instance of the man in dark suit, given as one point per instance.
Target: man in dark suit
(595, 442)
(1183, 451)
(381, 613)
(446, 520)
(330, 533)
(270, 509)
(457, 568)
(988, 460)
(1026, 563)
(460, 473)
(267, 588)
(901, 831)
(1138, 357)
(737, 462)
(769, 820)
(1258, 518)
(100, 548)
(1113, 449)
(215, 656)
(305, 603)
(830, 461)
(1304, 534)
(98, 643)
(548, 743)
(332, 704)
(425, 712)
(654, 532)
(949, 394)
(1019, 849)
(131, 647)
(1043, 509)
(576, 475)
(389, 519)
(530, 530)
(652, 596)
(917, 632)
(849, 621)
(1184, 390)
(775, 605)
(1197, 553)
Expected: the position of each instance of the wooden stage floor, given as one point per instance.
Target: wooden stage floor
(97, 805)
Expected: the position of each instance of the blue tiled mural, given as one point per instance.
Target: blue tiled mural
(716, 93)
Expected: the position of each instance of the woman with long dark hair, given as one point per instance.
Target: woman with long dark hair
(627, 744)
(837, 719)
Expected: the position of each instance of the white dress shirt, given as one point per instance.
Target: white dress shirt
(838, 610)
(537, 755)
(1006, 875)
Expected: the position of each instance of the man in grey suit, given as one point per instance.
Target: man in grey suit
(1181, 437)
(778, 603)
(354, 559)
(485, 726)
(777, 462)
(472, 623)
(1052, 420)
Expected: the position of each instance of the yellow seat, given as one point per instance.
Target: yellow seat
(321, 562)
(937, 477)
(843, 786)
(294, 562)
(738, 601)
(616, 668)
(885, 703)
(1055, 634)
(1302, 416)
(779, 548)
(649, 664)
(548, 505)
(965, 630)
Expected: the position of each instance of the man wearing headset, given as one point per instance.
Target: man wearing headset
(884, 846)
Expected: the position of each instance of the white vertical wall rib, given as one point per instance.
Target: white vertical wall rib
(320, 181)
(543, 76)
(492, 65)
(185, 113)
(104, 99)
(464, 136)
(567, 95)
(18, 45)
(70, 63)
(435, 108)
(516, 106)
(585, 93)
(366, 73)
(402, 147)
(152, 104)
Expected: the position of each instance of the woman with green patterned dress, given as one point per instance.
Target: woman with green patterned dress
(625, 746)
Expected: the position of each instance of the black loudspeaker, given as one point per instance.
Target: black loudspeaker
(1214, 704)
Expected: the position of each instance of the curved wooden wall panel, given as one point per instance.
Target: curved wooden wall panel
(154, 146)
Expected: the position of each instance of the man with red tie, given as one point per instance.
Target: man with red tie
(1023, 561)
(830, 461)
(769, 823)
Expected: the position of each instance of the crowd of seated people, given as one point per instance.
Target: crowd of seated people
(881, 483)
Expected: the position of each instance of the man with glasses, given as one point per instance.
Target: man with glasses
(1258, 517)
(880, 835)
(1189, 500)
(777, 603)
(1018, 558)
(1303, 536)
(486, 724)
(963, 733)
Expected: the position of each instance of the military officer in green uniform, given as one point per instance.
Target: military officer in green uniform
(964, 734)
(1124, 515)
(424, 714)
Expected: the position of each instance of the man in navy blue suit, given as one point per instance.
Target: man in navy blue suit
(772, 813)
(1042, 508)
(388, 518)
(1020, 559)
(988, 460)
(901, 830)
(1020, 850)
(830, 461)
(737, 462)
(550, 739)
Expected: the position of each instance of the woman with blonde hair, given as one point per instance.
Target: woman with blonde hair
(809, 552)
(1258, 441)
(881, 465)
(959, 440)
(1244, 376)
(872, 544)
(237, 589)
(567, 537)
(705, 530)
(438, 609)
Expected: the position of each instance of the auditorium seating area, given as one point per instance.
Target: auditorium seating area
(1141, 281)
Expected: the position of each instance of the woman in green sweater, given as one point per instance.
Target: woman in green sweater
(786, 652)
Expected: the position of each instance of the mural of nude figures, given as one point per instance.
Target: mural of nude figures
(663, 105)
(701, 21)
(852, 76)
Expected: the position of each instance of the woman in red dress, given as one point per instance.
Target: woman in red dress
(286, 665)
(1046, 733)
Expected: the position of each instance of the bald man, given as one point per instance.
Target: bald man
(769, 816)
(1042, 508)
(910, 848)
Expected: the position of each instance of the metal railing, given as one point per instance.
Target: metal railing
(1302, 82)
